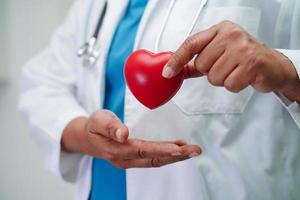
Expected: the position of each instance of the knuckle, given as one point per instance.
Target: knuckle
(259, 80)
(111, 157)
(245, 46)
(235, 33)
(109, 127)
(215, 79)
(231, 85)
(226, 23)
(190, 43)
(156, 162)
(254, 62)
(200, 66)
(260, 84)
(176, 58)
(141, 153)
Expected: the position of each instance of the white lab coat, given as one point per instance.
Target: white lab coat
(250, 141)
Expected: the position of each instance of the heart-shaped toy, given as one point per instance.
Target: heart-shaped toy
(143, 71)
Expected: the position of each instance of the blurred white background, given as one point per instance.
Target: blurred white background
(25, 28)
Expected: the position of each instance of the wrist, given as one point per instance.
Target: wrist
(292, 93)
(74, 136)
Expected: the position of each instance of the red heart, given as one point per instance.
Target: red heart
(143, 71)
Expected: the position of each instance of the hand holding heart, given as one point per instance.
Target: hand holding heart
(225, 53)
(232, 58)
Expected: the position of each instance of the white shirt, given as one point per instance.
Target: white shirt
(250, 141)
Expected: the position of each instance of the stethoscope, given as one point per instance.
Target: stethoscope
(89, 51)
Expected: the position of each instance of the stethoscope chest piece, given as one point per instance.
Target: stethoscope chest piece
(89, 52)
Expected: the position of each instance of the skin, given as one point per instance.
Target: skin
(232, 58)
(103, 135)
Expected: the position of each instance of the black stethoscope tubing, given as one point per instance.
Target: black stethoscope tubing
(100, 21)
(89, 51)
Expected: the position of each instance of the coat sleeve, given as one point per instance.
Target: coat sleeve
(48, 96)
(294, 55)
(292, 107)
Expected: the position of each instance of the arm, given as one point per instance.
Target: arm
(47, 97)
(63, 130)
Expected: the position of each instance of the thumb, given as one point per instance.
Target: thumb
(176, 64)
(191, 47)
(106, 123)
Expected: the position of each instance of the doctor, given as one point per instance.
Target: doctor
(88, 124)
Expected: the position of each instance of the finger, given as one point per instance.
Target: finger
(191, 47)
(221, 69)
(99, 145)
(149, 162)
(107, 124)
(148, 149)
(190, 71)
(238, 80)
(134, 149)
(114, 151)
(210, 54)
(190, 150)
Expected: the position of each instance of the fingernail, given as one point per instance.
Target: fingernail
(119, 135)
(194, 154)
(168, 72)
